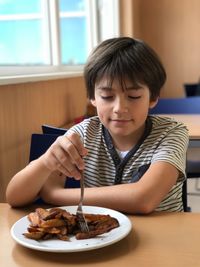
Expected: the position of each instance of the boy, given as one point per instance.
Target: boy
(131, 162)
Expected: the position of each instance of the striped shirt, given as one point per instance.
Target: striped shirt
(164, 139)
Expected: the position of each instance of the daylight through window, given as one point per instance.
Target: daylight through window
(52, 35)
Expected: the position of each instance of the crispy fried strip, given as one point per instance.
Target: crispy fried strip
(34, 235)
(34, 219)
(52, 223)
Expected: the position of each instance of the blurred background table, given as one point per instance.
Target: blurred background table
(192, 121)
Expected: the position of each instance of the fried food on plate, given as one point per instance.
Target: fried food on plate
(59, 223)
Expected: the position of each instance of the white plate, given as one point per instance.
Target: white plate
(74, 245)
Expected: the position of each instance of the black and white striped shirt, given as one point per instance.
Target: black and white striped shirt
(164, 139)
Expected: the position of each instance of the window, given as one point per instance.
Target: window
(48, 36)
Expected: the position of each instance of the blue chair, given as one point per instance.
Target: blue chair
(39, 144)
(188, 105)
(192, 89)
(48, 129)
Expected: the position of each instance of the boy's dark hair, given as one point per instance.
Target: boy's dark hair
(125, 58)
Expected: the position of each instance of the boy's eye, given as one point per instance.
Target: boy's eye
(134, 97)
(107, 97)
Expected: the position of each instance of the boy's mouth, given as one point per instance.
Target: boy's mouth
(120, 121)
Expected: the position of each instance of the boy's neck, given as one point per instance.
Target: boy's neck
(125, 143)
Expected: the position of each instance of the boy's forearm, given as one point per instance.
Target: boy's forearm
(124, 198)
(25, 185)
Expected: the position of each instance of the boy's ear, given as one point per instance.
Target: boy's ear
(153, 103)
(93, 102)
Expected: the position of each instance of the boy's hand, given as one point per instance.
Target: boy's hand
(66, 156)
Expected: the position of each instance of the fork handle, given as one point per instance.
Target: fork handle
(82, 187)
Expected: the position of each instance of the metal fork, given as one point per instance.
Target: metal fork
(79, 213)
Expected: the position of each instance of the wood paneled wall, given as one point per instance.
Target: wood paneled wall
(172, 28)
(24, 108)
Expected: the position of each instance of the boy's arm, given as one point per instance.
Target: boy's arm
(143, 196)
(25, 186)
(140, 197)
(62, 159)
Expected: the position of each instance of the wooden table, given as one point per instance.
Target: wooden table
(192, 121)
(157, 240)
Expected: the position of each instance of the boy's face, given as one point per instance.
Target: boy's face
(122, 112)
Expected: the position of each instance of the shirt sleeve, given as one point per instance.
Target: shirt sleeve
(173, 148)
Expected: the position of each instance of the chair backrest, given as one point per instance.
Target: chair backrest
(48, 129)
(186, 208)
(39, 144)
(192, 89)
(186, 105)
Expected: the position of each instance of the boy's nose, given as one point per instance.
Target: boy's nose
(120, 105)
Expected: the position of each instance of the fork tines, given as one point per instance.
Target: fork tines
(82, 222)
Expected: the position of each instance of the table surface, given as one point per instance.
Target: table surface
(192, 121)
(159, 239)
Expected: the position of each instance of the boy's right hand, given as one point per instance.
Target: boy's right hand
(65, 155)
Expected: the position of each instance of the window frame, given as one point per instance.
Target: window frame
(95, 9)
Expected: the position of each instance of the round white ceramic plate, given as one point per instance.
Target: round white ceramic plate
(74, 245)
